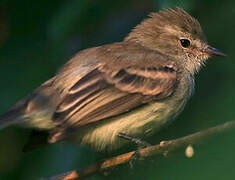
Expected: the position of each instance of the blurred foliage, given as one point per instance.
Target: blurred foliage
(36, 37)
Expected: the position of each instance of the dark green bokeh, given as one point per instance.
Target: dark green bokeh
(36, 37)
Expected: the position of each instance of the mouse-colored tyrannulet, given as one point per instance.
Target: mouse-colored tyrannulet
(133, 87)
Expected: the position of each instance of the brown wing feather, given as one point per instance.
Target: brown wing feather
(112, 88)
(156, 82)
(95, 101)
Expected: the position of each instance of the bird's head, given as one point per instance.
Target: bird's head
(176, 34)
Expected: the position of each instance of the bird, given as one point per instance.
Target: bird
(130, 88)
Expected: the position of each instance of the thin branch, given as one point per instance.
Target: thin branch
(159, 149)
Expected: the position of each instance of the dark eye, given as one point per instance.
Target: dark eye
(185, 43)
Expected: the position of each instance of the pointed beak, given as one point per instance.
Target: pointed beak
(213, 51)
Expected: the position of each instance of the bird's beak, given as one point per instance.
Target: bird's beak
(213, 51)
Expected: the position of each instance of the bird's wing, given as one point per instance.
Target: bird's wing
(113, 86)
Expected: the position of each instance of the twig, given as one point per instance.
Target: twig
(162, 148)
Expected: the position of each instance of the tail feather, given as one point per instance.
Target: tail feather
(13, 115)
(8, 118)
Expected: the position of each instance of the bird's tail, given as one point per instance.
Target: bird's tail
(8, 119)
(13, 116)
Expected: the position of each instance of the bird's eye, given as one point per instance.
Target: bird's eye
(185, 43)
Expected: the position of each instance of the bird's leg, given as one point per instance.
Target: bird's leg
(140, 143)
(135, 140)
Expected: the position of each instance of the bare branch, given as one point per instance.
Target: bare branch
(159, 149)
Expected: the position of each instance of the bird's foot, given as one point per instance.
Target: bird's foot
(139, 142)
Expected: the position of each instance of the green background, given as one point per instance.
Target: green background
(36, 37)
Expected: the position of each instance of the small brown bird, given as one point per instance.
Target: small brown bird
(132, 88)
